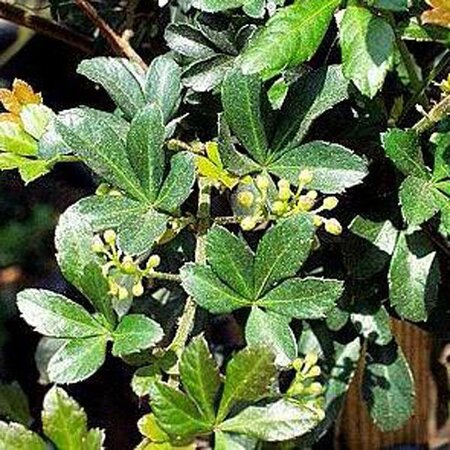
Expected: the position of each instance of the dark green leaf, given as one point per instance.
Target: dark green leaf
(248, 378)
(121, 78)
(135, 332)
(367, 44)
(231, 259)
(289, 38)
(372, 321)
(14, 436)
(14, 404)
(188, 41)
(282, 251)
(213, 6)
(390, 5)
(335, 168)
(241, 98)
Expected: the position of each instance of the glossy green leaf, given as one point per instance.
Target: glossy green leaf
(274, 331)
(200, 377)
(277, 421)
(334, 167)
(54, 315)
(231, 259)
(413, 276)
(135, 332)
(209, 291)
(248, 378)
(14, 404)
(14, 436)
(178, 184)
(402, 147)
(77, 360)
(241, 99)
(308, 98)
(145, 142)
(99, 139)
(388, 388)
(308, 298)
(367, 44)
(163, 85)
(121, 78)
(289, 38)
(282, 251)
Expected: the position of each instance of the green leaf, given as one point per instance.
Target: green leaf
(388, 387)
(277, 421)
(14, 404)
(188, 41)
(64, 421)
(231, 259)
(209, 291)
(289, 38)
(248, 378)
(214, 6)
(335, 168)
(77, 360)
(29, 169)
(54, 315)
(412, 30)
(274, 330)
(176, 413)
(135, 332)
(231, 441)
(200, 377)
(145, 142)
(403, 149)
(14, 139)
(413, 276)
(419, 200)
(367, 44)
(282, 251)
(241, 99)
(308, 298)
(14, 436)
(178, 184)
(35, 119)
(94, 440)
(121, 78)
(308, 98)
(390, 5)
(99, 139)
(372, 321)
(163, 85)
(441, 169)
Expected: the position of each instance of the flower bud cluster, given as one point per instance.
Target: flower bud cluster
(119, 267)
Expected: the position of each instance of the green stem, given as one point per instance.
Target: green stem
(186, 322)
(165, 276)
(438, 112)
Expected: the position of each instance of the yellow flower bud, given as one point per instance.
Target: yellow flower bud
(109, 236)
(122, 293)
(305, 176)
(312, 194)
(138, 289)
(262, 182)
(317, 220)
(330, 203)
(248, 223)
(97, 245)
(305, 203)
(279, 207)
(153, 261)
(297, 364)
(315, 388)
(313, 372)
(245, 199)
(113, 288)
(103, 189)
(332, 226)
(128, 265)
(284, 190)
(311, 359)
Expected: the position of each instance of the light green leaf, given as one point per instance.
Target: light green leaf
(277, 421)
(54, 315)
(209, 291)
(163, 85)
(282, 251)
(274, 330)
(388, 388)
(441, 169)
(213, 6)
(14, 436)
(289, 38)
(403, 149)
(145, 142)
(308, 298)
(99, 139)
(121, 78)
(94, 440)
(308, 98)
(231, 259)
(35, 119)
(200, 377)
(241, 99)
(334, 167)
(29, 169)
(178, 185)
(367, 44)
(14, 404)
(14, 139)
(231, 441)
(176, 413)
(248, 378)
(77, 360)
(413, 276)
(135, 332)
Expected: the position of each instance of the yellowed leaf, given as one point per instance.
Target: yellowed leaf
(439, 14)
(24, 93)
